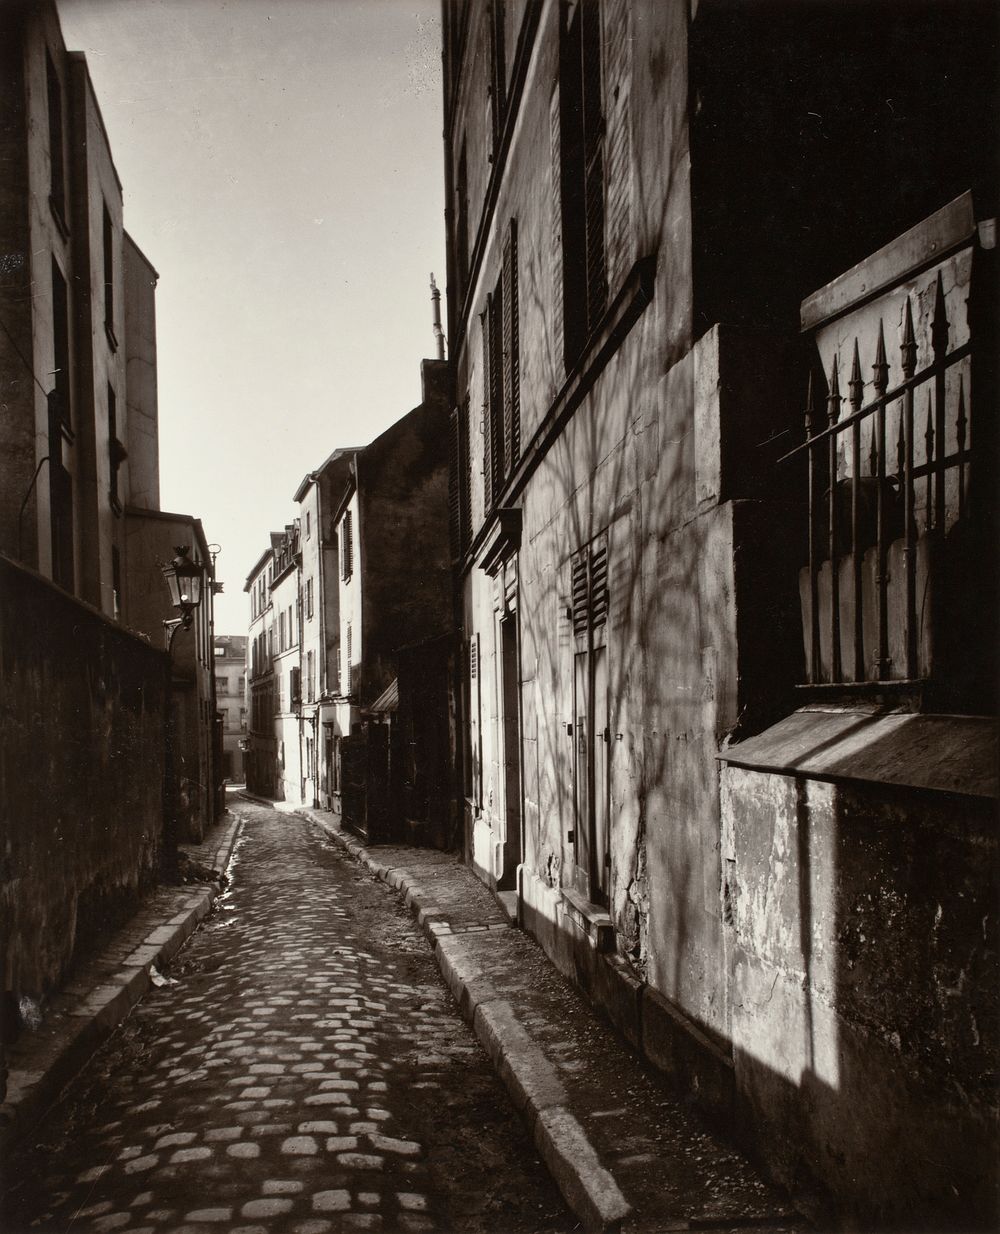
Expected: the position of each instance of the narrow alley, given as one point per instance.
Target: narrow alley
(305, 1070)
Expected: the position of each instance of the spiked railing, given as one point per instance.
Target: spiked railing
(866, 526)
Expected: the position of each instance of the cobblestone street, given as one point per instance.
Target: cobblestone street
(305, 1070)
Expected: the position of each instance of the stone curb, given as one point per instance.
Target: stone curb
(530, 1079)
(32, 1089)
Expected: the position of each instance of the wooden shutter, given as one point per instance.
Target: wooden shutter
(346, 547)
(593, 127)
(497, 387)
(618, 141)
(555, 223)
(589, 586)
(454, 484)
(465, 477)
(580, 592)
(487, 416)
(511, 357)
(599, 583)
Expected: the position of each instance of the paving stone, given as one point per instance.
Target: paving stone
(222, 1133)
(190, 1154)
(243, 1150)
(140, 1165)
(282, 1186)
(210, 1214)
(320, 1127)
(300, 1146)
(361, 1161)
(271, 1207)
(337, 1201)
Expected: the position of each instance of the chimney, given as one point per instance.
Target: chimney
(436, 306)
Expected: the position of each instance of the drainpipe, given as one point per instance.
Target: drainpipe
(436, 307)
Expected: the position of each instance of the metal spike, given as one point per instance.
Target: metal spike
(833, 399)
(900, 450)
(810, 407)
(961, 422)
(929, 448)
(939, 326)
(881, 365)
(908, 347)
(856, 385)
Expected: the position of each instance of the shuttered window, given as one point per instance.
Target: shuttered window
(589, 583)
(346, 547)
(459, 487)
(502, 375)
(581, 177)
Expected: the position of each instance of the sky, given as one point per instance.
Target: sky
(282, 166)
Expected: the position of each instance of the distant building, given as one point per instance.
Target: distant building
(349, 647)
(261, 765)
(230, 652)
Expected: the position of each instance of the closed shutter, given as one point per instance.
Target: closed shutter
(589, 587)
(495, 307)
(618, 142)
(465, 477)
(454, 485)
(580, 591)
(487, 416)
(593, 127)
(556, 249)
(511, 357)
(346, 547)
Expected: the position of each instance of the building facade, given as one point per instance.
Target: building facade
(261, 761)
(341, 607)
(625, 288)
(82, 540)
(230, 668)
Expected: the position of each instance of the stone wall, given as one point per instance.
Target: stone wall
(81, 775)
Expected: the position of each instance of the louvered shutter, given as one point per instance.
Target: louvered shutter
(593, 128)
(454, 484)
(346, 547)
(487, 415)
(599, 583)
(497, 387)
(556, 227)
(617, 43)
(511, 357)
(580, 590)
(465, 478)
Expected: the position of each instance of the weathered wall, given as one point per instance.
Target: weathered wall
(141, 428)
(84, 710)
(862, 946)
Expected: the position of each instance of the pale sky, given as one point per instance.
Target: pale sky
(283, 171)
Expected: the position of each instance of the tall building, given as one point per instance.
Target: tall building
(230, 668)
(83, 600)
(656, 213)
(261, 749)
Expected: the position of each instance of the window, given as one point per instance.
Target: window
(310, 665)
(60, 480)
(309, 598)
(57, 158)
(346, 547)
(109, 273)
(462, 223)
(116, 580)
(459, 482)
(581, 177)
(219, 651)
(591, 720)
(222, 685)
(348, 649)
(295, 685)
(308, 525)
(501, 376)
(117, 453)
(498, 68)
(60, 345)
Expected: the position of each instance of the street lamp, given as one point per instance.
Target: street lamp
(185, 581)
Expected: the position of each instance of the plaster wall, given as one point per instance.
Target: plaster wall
(100, 356)
(84, 707)
(140, 432)
(861, 941)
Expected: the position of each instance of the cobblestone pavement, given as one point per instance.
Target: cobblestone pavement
(308, 1072)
